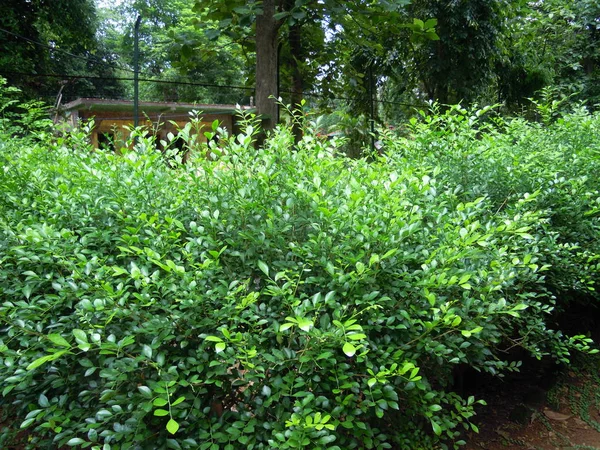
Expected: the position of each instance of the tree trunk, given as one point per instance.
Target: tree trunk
(295, 40)
(266, 65)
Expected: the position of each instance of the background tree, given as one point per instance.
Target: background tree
(557, 43)
(40, 37)
(457, 67)
(174, 50)
(273, 21)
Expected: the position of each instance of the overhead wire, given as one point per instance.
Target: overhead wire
(154, 80)
(189, 83)
(149, 80)
(60, 50)
(168, 82)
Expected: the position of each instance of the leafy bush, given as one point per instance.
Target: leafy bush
(267, 298)
(506, 160)
(21, 118)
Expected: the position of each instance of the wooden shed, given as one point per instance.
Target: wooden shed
(113, 117)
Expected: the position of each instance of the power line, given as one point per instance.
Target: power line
(148, 80)
(188, 83)
(59, 50)
(172, 82)
(81, 57)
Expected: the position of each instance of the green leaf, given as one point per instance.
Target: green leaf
(161, 412)
(44, 359)
(43, 401)
(80, 336)
(304, 324)
(299, 15)
(431, 23)
(436, 428)
(75, 441)
(147, 351)
(263, 267)
(356, 336)
(27, 422)
(430, 297)
(285, 326)
(520, 307)
(159, 401)
(220, 347)
(59, 340)
(464, 278)
(281, 15)
(360, 267)
(172, 426)
(178, 401)
(266, 391)
(213, 339)
(374, 259)
(349, 349)
(145, 391)
(27, 291)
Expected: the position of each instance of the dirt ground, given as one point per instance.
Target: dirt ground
(535, 414)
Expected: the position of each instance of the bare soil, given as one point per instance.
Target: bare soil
(530, 413)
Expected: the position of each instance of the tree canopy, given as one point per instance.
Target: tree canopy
(47, 45)
(377, 59)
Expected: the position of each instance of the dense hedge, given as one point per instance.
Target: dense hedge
(280, 298)
(503, 160)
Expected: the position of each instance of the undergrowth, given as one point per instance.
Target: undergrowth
(285, 296)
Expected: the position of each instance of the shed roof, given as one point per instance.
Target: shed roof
(98, 104)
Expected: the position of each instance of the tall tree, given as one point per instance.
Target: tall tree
(174, 50)
(459, 66)
(557, 43)
(41, 37)
(267, 63)
(270, 20)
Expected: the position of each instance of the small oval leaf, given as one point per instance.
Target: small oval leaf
(145, 391)
(172, 426)
(220, 347)
(349, 349)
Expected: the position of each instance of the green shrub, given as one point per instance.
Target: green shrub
(17, 118)
(268, 298)
(505, 160)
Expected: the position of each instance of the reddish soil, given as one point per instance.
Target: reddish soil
(526, 416)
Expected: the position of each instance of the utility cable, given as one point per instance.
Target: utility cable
(186, 83)
(55, 49)
(148, 80)
(172, 82)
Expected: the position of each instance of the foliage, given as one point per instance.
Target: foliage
(264, 298)
(41, 41)
(550, 163)
(458, 67)
(556, 43)
(171, 48)
(311, 45)
(18, 117)
(503, 51)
